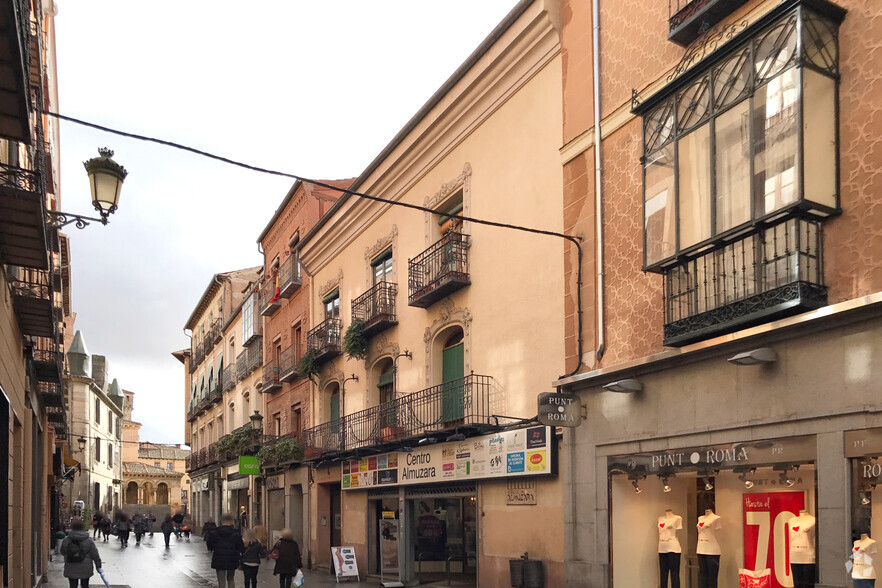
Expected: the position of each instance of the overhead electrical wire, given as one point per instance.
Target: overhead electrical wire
(571, 238)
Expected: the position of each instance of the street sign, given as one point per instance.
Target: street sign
(559, 410)
(249, 465)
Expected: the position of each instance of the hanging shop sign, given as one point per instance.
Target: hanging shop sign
(560, 410)
(521, 452)
(249, 465)
(716, 457)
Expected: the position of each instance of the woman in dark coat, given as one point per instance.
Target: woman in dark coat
(289, 558)
(226, 546)
(123, 528)
(208, 528)
(254, 551)
(167, 527)
(80, 571)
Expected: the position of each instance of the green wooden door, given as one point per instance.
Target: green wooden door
(452, 372)
(335, 413)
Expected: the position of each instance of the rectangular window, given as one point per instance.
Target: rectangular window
(296, 420)
(382, 267)
(296, 334)
(110, 421)
(169, 466)
(97, 450)
(332, 305)
(97, 411)
(110, 455)
(248, 319)
(277, 424)
(157, 464)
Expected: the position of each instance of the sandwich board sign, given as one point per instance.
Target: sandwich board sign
(345, 566)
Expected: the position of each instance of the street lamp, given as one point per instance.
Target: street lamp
(82, 443)
(257, 421)
(105, 181)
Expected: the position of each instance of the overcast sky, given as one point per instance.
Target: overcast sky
(313, 88)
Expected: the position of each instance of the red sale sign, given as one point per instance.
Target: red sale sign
(766, 533)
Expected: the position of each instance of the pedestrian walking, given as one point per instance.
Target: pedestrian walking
(243, 519)
(207, 528)
(96, 524)
(139, 526)
(226, 546)
(80, 555)
(123, 528)
(106, 524)
(167, 527)
(186, 528)
(254, 551)
(288, 560)
(179, 522)
(151, 520)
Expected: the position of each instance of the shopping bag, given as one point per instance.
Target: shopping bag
(298, 578)
(755, 578)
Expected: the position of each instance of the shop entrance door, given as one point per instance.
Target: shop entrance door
(336, 517)
(445, 538)
(276, 513)
(295, 513)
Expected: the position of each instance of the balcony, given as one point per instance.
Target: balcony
(288, 364)
(211, 455)
(271, 381)
(33, 302)
(15, 54)
(47, 359)
(196, 356)
(216, 332)
(689, 19)
(324, 340)
(376, 308)
(269, 300)
(773, 273)
(215, 395)
(188, 463)
(228, 378)
(23, 240)
(289, 276)
(439, 271)
(51, 393)
(458, 406)
(248, 361)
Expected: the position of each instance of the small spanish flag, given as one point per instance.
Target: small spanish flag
(277, 295)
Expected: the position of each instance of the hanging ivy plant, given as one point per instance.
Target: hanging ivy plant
(355, 344)
(307, 367)
(283, 450)
(237, 442)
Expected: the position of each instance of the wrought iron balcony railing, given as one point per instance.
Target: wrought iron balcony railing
(48, 360)
(188, 463)
(288, 364)
(269, 299)
(324, 339)
(216, 394)
(462, 405)
(248, 361)
(211, 455)
(376, 308)
(228, 378)
(33, 302)
(439, 271)
(289, 276)
(777, 271)
(271, 381)
(215, 332)
(689, 19)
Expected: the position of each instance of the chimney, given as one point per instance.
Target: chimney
(178, 445)
(78, 357)
(100, 369)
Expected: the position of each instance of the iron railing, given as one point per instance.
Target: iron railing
(48, 359)
(228, 378)
(34, 302)
(440, 270)
(268, 302)
(18, 178)
(215, 331)
(211, 455)
(459, 403)
(288, 363)
(776, 271)
(270, 378)
(376, 308)
(324, 339)
(188, 463)
(689, 19)
(248, 361)
(289, 276)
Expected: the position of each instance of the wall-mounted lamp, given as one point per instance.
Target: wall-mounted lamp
(82, 443)
(105, 180)
(627, 386)
(665, 486)
(708, 485)
(865, 498)
(761, 356)
(637, 489)
(457, 436)
(427, 441)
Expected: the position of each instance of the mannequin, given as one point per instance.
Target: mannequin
(669, 549)
(802, 550)
(708, 549)
(863, 574)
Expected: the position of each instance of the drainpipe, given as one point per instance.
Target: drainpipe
(598, 185)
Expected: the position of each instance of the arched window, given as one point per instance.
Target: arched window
(162, 493)
(132, 493)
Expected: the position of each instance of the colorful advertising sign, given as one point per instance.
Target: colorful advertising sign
(249, 465)
(521, 452)
(766, 532)
(344, 562)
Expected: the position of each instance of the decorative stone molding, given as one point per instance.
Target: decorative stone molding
(327, 375)
(379, 349)
(449, 315)
(464, 181)
(328, 286)
(382, 244)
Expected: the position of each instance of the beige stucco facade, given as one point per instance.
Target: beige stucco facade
(491, 136)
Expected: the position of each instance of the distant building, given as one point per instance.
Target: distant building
(96, 411)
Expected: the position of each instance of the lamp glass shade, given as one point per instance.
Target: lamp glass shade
(82, 443)
(256, 420)
(105, 190)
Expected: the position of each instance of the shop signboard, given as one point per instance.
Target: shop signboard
(559, 409)
(520, 452)
(766, 532)
(345, 565)
(249, 465)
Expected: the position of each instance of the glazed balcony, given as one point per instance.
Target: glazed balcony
(268, 300)
(271, 381)
(773, 273)
(325, 340)
(457, 406)
(33, 303)
(288, 364)
(439, 271)
(47, 359)
(689, 19)
(289, 276)
(376, 308)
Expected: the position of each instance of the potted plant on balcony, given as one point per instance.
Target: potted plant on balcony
(307, 368)
(355, 344)
(283, 450)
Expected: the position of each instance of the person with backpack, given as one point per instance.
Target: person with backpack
(106, 525)
(139, 526)
(226, 546)
(254, 551)
(81, 556)
(287, 555)
(167, 527)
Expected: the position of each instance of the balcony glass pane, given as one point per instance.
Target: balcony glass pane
(775, 50)
(732, 143)
(732, 80)
(776, 142)
(659, 222)
(692, 104)
(694, 170)
(819, 128)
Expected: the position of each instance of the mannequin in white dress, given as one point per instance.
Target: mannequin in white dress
(863, 574)
(669, 549)
(802, 550)
(708, 549)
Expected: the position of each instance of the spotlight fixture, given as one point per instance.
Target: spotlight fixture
(865, 499)
(761, 356)
(786, 480)
(626, 386)
(708, 485)
(665, 486)
(456, 437)
(747, 483)
(636, 486)
(427, 441)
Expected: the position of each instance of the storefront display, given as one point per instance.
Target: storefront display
(749, 504)
(864, 447)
